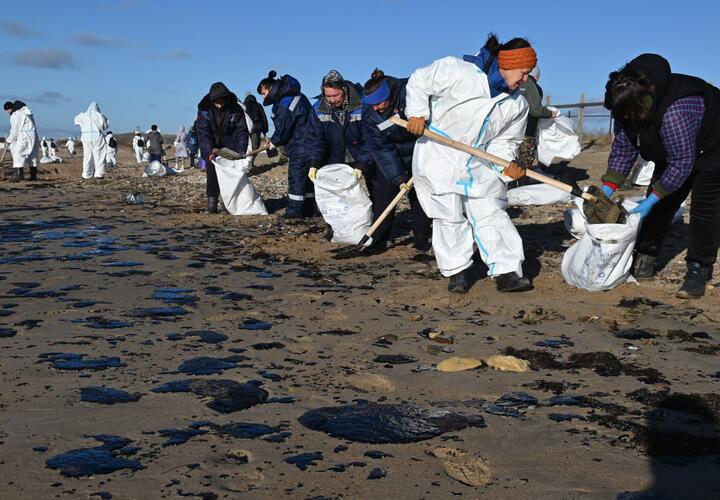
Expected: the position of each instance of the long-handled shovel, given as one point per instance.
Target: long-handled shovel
(229, 154)
(601, 209)
(356, 250)
(2, 159)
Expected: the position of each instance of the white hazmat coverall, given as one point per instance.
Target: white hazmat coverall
(44, 148)
(23, 138)
(137, 148)
(466, 196)
(92, 123)
(110, 158)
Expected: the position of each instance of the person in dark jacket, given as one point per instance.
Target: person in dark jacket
(260, 123)
(192, 144)
(391, 148)
(335, 134)
(673, 120)
(533, 94)
(335, 126)
(155, 144)
(220, 124)
(290, 113)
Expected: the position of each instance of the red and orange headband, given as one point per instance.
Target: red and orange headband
(524, 58)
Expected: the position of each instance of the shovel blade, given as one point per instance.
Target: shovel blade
(351, 251)
(229, 154)
(604, 210)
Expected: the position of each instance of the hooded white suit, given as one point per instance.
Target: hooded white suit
(110, 158)
(465, 196)
(23, 138)
(137, 147)
(92, 123)
(54, 152)
(45, 148)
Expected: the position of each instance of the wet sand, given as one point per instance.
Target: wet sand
(95, 293)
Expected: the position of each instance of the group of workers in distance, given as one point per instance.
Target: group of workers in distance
(460, 201)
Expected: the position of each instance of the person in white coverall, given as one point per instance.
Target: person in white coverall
(111, 158)
(138, 146)
(22, 140)
(472, 100)
(70, 145)
(44, 148)
(54, 152)
(92, 124)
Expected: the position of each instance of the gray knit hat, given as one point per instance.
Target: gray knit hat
(333, 79)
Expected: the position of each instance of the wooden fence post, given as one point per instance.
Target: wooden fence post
(581, 118)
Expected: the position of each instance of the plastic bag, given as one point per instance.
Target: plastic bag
(575, 221)
(236, 190)
(602, 257)
(343, 203)
(642, 176)
(557, 140)
(155, 169)
(537, 194)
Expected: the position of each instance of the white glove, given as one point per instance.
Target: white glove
(313, 174)
(357, 173)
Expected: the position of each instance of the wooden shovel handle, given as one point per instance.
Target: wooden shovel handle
(495, 159)
(390, 207)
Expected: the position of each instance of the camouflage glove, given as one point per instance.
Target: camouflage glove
(526, 152)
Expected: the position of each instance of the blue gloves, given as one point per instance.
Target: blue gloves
(645, 206)
(607, 190)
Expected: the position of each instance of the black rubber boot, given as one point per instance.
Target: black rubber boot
(17, 175)
(696, 279)
(33, 174)
(212, 205)
(458, 283)
(643, 267)
(512, 282)
(422, 244)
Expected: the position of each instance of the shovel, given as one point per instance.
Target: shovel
(351, 251)
(2, 159)
(603, 210)
(229, 154)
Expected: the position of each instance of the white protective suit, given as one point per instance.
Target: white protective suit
(465, 196)
(139, 150)
(92, 123)
(70, 145)
(54, 152)
(44, 148)
(23, 138)
(110, 158)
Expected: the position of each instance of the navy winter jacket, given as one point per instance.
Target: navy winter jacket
(290, 114)
(390, 146)
(327, 139)
(192, 142)
(224, 128)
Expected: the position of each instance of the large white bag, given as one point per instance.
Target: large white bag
(602, 258)
(343, 203)
(557, 140)
(236, 190)
(155, 169)
(575, 220)
(537, 194)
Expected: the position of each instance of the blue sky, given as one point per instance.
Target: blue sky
(151, 62)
